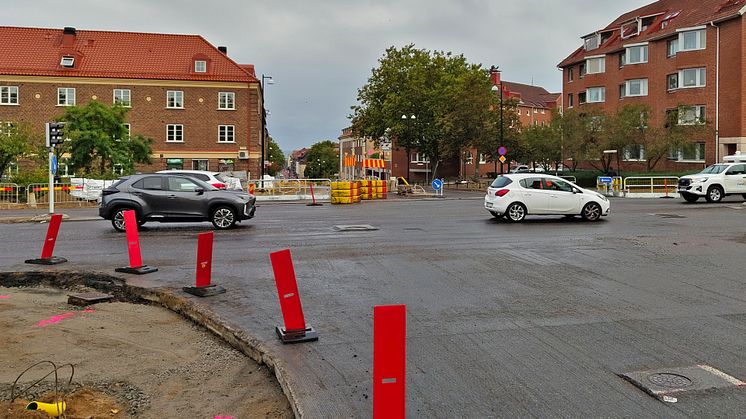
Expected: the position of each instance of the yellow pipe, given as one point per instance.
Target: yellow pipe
(52, 409)
(405, 181)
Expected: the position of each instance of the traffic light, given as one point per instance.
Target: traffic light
(55, 133)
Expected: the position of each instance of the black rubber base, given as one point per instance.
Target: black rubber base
(54, 260)
(314, 205)
(296, 336)
(207, 291)
(140, 270)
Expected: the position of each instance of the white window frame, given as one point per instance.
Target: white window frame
(174, 95)
(226, 134)
(601, 59)
(672, 47)
(595, 37)
(223, 100)
(699, 114)
(7, 93)
(420, 158)
(200, 66)
(67, 91)
(121, 93)
(643, 87)
(701, 78)
(67, 61)
(589, 98)
(128, 127)
(207, 164)
(627, 153)
(482, 158)
(644, 53)
(570, 100)
(171, 130)
(699, 154)
(701, 38)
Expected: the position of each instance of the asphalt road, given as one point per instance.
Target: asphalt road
(504, 320)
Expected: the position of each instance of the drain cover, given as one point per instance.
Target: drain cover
(355, 227)
(668, 381)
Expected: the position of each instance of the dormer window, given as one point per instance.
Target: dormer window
(200, 66)
(592, 42)
(631, 29)
(68, 62)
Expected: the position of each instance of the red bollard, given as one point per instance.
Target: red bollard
(389, 361)
(49, 242)
(203, 287)
(295, 330)
(313, 197)
(133, 247)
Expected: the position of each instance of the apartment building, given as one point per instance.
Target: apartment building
(202, 109)
(668, 54)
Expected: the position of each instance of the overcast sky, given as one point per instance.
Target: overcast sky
(320, 52)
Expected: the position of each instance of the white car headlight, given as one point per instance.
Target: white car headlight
(701, 179)
(602, 197)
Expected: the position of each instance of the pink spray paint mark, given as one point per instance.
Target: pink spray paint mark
(223, 417)
(3, 297)
(58, 318)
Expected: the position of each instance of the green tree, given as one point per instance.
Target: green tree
(99, 139)
(15, 142)
(542, 144)
(322, 160)
(275, 156)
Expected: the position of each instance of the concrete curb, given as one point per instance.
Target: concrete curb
(42, 218)
(168, 298)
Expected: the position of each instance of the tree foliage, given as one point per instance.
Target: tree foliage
(275, 156)
(322, 160)
(99, 139)
(15, 141)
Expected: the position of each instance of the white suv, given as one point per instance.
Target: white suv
(716, 181)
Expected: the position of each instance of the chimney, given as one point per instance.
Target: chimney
(224, 50)
(495, 75)
(68, 36)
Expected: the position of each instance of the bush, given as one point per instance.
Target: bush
(39, 175)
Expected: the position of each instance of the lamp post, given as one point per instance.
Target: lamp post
(411, 118)
(265, 81)
(495, 72)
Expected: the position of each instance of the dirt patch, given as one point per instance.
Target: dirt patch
(148, 361)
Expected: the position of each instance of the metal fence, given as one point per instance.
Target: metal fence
(38, 193)
(290, 189)
(10, 193)
(650, 186)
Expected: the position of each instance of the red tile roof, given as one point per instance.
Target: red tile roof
(677, 14)
(534, 96)
(37, 52)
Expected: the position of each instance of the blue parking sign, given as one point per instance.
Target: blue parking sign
(437, 184)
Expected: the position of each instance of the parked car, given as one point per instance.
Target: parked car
(526, 169)
(516, 195)
(213, 178)
(716, 181)
(167, 198)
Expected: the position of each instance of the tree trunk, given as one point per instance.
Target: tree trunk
(409, 159)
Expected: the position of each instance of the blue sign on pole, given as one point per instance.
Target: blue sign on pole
(502, 151)
(54, 165)
(605, 180)
(437, 184)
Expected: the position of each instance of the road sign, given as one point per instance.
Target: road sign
(605, 180)
(502, 159)
(502, 151)
(54, 165)
(437, 184)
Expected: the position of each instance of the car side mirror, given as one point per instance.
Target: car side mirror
(200, 191)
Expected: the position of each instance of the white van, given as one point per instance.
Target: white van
(716, 181)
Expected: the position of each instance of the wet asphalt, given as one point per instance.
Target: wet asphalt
(503, 320)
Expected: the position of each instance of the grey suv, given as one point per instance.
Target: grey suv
(171, 198)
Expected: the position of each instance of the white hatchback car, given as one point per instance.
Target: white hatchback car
(213, 178)
(516, 195)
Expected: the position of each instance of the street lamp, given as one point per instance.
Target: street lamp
(412, 118)
(494, 70)
(265, 81)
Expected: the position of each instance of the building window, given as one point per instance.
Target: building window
(596, 94)
(595, 65)
(174, 164)
(581, 70)
(673, 81)
(631, 88)
(692, 40)
(200, 66)
(694, 153)
(622, 59)
(536, 111)
(673, 47)
(122, 97)
(469, 158)
(637, 54)
(175, 99)
(634, 152)
(227, 100)
(570, 75)
(570, 102)
(128, 127)
(581, 98)
(174, 133)
(692, 115)
(592, 42)
(691, 77)
(8, 95)
(118, 169)
(66, 96)
(68, 62)
(200, 164)
(420, 158)
(482, 158)
(226, 134)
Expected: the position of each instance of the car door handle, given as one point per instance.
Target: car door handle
(172, 197)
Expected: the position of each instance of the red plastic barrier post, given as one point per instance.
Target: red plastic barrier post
(389, 361)
(204, 259)
(313, 197)
(295, 329)
(133, 240)
(54, 228)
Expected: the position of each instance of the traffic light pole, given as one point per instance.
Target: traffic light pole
(50, 147)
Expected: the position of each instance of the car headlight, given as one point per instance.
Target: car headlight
(602, 197)
(702, 179)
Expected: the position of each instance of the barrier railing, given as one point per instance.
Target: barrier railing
(572, 179)
(10, 193)
(650, 186)
(290, 189)
(38, 193)
(610, 185)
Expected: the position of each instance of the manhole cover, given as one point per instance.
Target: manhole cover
(355, 227)
(669, 380)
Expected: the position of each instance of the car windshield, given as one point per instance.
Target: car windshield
(501, 182)
(715, 169)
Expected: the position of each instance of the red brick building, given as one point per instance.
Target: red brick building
(667, 54)
(202, 109)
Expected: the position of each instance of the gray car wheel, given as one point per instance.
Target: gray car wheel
(591, 212)
(516, 212)
(714, 194)
(223, 217)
